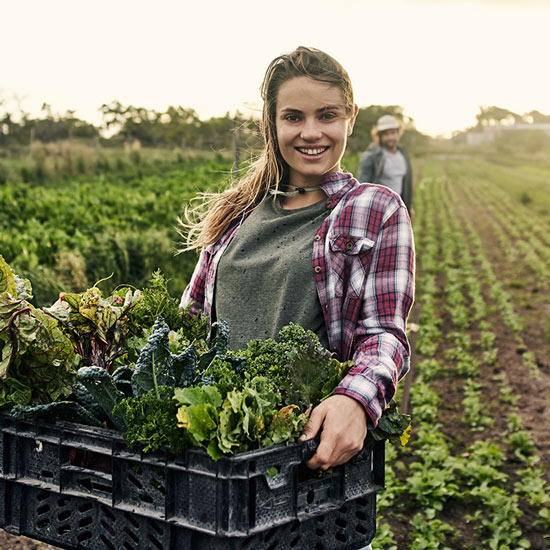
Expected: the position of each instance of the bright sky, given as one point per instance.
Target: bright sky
(439, 59)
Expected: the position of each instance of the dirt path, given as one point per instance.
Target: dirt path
(11, 542)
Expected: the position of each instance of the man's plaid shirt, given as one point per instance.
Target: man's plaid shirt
(363, 264)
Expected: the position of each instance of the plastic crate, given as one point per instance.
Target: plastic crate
(77, 469)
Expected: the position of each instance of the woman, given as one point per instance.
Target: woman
(298, 240)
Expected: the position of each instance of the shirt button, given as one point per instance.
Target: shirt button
(317, 269)
(317, 238)
(349, 245)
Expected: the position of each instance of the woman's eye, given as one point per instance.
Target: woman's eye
(291, 118)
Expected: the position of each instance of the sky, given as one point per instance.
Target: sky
(439, 59)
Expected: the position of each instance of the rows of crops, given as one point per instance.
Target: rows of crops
(68, 234)
(474, 474)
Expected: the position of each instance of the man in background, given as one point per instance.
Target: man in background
(386, 162)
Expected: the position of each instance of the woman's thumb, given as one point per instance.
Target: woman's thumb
(313, 426)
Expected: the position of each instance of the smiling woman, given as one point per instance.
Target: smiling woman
(297, 240)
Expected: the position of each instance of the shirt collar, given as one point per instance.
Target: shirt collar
(337, 184)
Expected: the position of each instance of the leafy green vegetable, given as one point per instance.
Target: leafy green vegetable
(392, 425)
(59, 410)
(150, 421)
(305, 371)
(157, 302)
(103, 389)
(154, 366)
(96, 325)
(248, 418)
(37, 360)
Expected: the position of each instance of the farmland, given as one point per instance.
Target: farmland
(475, 473)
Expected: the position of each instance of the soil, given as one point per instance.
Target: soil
(12, 542)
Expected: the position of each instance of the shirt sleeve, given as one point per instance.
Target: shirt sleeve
(194, 295)
(380, 347)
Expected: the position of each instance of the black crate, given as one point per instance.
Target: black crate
(231, 498)
(76, 523)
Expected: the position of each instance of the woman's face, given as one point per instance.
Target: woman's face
(312, 128)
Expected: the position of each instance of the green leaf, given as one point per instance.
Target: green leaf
(7, 279)
(198, 396)
(102, 387)
(154, 366)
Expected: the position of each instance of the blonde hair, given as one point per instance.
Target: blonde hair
(207, 222)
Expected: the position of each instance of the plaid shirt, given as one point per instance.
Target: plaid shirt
(363, 264)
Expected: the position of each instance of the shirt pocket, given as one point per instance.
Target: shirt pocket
(350, 244)
(350, 257)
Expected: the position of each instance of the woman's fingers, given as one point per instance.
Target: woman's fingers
(344, 429)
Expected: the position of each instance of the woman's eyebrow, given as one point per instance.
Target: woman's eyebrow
(321, 110)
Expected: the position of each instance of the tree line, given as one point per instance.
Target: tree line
(176, 127)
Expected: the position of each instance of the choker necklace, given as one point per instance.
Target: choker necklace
(294, 191)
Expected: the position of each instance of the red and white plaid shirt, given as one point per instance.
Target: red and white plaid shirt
(363, 264)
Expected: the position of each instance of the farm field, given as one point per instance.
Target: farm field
(476, 472)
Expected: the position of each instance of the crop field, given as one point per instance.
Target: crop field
(476, 472)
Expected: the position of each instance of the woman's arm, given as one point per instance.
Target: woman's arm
(380, 348)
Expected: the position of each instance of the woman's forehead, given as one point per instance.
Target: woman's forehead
(303, 93)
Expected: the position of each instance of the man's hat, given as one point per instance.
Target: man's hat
(387, 122)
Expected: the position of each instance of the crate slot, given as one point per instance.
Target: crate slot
(84, 522)
(86, 507)
(341, 523)
(155, 542)
(43, 509)
(65, 514)
(135, 481)
(131, 519)
(133, 536)
(43, 523)
(63, 529)
(108, 544)
(84, 536)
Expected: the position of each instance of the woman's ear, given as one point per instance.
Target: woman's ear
(352, 120)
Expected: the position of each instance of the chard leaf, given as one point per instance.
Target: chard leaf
(7, 278)
(23, 288)
(12, 392)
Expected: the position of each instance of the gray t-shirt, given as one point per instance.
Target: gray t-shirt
(393, 171)
(265, 276)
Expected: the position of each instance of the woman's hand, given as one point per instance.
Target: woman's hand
(344, 424)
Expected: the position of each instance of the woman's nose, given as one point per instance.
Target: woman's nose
(311, 130)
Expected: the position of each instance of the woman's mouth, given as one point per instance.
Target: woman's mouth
(312, 151)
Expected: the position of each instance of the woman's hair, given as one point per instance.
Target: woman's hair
(208, 221)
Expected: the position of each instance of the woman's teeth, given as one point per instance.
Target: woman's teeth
(312, 151)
